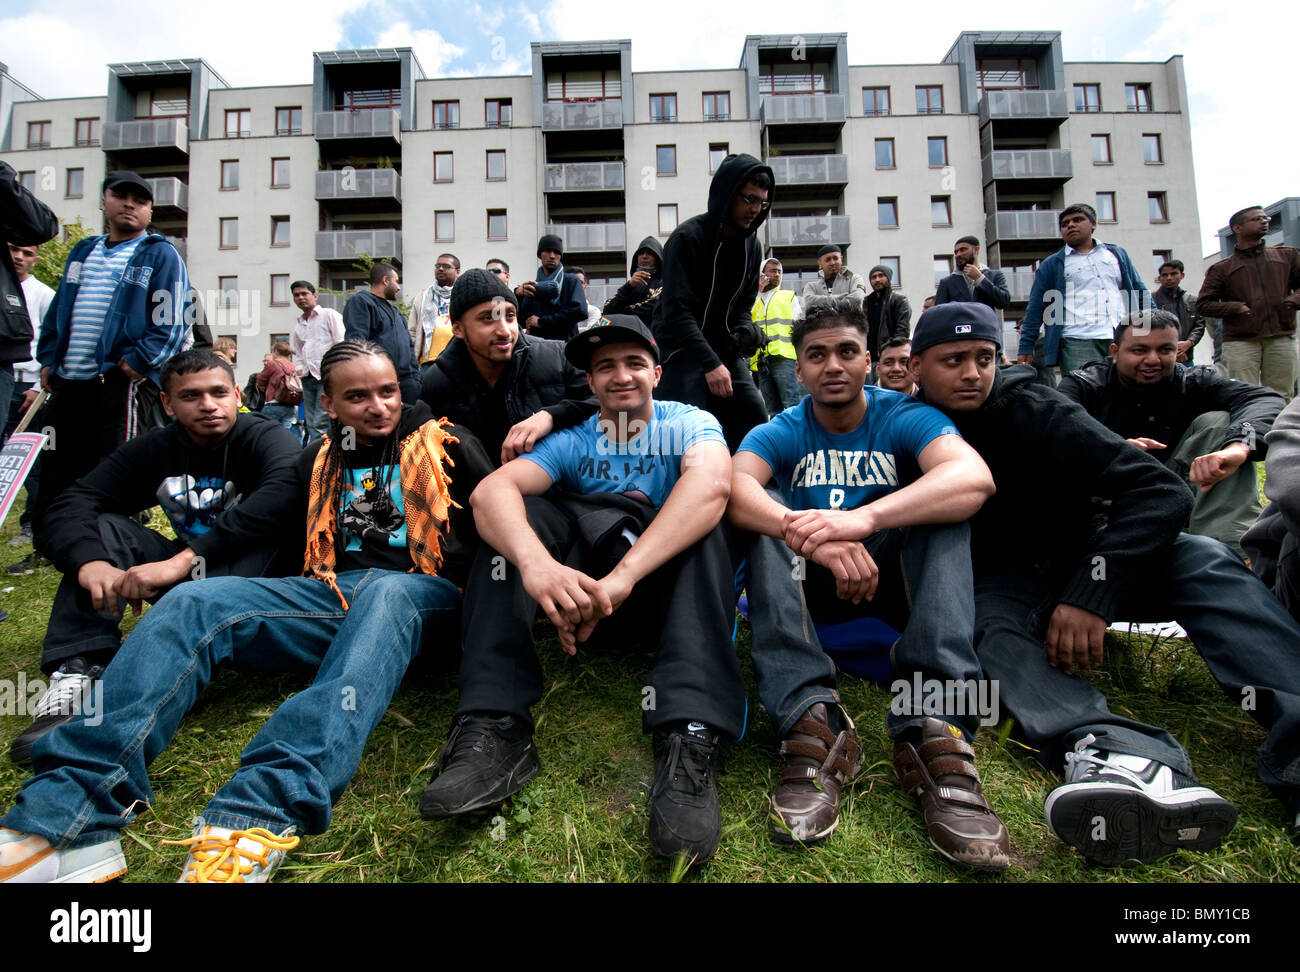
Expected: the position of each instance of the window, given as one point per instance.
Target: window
(875, 101)
(1087, 97)
(76, 180)
(1159, 258)
(229, 233)
(1152, 153)
(38, 135)
(1106, 207)
(1137, 97)
(229, 291)
(940, 210)
(589, 85)
(663, 107)
(717, 105)
(498, 112)
(279, 230)
(794, 77)
(356, 99)
(936, 148)
(884, 153)
(1157, 208)
(887, 212)
(667, 218)
(1006, 73)
(942, 266)
(229, 173)
(279, 290)
(446, 114)
(87, 132)
(288, 121)
(496, 219)
(239, 123)
(444, 226)
(443, 167)
(666, 160)
(28, 180)
(895, 264)
(929, 99)
(1101, 150)
(717, 152)
(280, 173)
(496, 165)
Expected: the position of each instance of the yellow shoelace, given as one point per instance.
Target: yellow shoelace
(218, 860)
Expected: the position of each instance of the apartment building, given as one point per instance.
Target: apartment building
(261, 186)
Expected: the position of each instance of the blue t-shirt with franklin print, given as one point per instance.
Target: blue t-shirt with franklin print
(819, 470)
(583, 459)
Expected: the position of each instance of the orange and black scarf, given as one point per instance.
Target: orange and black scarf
(426, 497)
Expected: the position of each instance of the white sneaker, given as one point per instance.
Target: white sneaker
(1117, 809)
(70, 689)
(219, 855)
(29, 859)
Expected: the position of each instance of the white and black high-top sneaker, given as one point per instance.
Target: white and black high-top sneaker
(1120, 809)
(63, 701)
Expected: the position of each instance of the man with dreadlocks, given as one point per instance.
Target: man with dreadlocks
(373, 588)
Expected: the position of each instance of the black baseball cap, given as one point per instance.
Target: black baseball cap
(956, 321)
(123, 179)
(614, 329)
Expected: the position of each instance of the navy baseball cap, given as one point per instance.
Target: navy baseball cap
(129, 181)
(614, 329)
(956, 321)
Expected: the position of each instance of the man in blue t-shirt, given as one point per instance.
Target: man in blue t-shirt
(626, 542)
(874, 490)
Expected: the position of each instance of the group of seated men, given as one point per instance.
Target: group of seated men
(965, 518)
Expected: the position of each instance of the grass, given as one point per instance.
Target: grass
(584, 818)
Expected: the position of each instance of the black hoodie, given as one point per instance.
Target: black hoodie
(1053, 464)
(223, 500)
(710, 280)
(640, 299)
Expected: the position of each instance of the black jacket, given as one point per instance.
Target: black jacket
(710, 280)
(538, 378)
(367, 317)
(557, 319)
(1191, 325)
(23, 222)
(1164, 411)
(992, 290)
(1055, 468)
(256, 458)
(638, 299)
(895, 318)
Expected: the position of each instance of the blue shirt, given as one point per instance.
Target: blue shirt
(819, 470)
(583, 459)
(99, 274)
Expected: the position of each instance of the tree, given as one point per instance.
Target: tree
(54, 254)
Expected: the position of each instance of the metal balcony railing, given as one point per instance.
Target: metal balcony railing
(146, 133)
(170, 193)
(590, 237)
(798, 109)
(348, 244)
(359, 184)
(1050, 164)
(1039, 224)
(566, 116)
(810, 170)
(582, 176)
(362, 123)
(808, 230)
(1002, 105)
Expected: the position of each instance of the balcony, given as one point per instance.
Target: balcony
(362, 186)
(148, 140)
(582, 116)
(808, 230)
(1020, 281)
(382, 244)
(1041, 167)
(1024, 106)
(812, 171)
(1039, 224)
(590, 237)
(598, 293)
(583, 177)
(171, 197)
(345, 127)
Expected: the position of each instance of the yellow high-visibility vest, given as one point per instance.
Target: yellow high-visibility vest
(777, 321)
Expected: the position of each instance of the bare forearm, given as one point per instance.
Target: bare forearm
(503, 524)
(942, 495)
(752, 509)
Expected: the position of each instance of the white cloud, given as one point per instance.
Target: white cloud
(433, 50)
(486, 20)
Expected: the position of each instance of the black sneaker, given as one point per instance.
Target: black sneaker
(62, 702)
(1117, 809)
(28, 565)
(486, 760)
(684, 814)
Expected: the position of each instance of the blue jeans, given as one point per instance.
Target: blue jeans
(926, 591)
(89, 779)
(777, 382)
(1249, 642)
(281, 414)
(317, 419)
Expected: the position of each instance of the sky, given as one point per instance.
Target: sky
(1245, 139)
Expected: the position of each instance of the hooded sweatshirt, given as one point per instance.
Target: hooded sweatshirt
(710, 280)
(1052, 464)
(637, 299)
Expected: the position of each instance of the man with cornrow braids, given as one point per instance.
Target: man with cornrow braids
(387, 494)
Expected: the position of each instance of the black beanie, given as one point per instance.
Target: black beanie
(477, 286)
(550, 242)
(828, 248)
(889, 273)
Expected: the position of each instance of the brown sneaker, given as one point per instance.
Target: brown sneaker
(818, 763)
(960, 823)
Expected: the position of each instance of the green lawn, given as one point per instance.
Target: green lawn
(584, 818)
